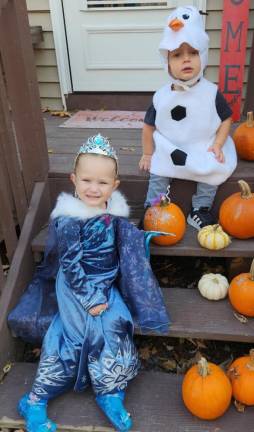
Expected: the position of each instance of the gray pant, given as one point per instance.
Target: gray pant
(203, 197)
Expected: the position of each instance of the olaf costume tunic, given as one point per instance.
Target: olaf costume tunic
(93, 256)
(186, 124)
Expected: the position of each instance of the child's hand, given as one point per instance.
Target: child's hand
(218, 153)
(98, 310)
(145, 162)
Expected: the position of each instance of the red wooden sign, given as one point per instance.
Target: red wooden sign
(233, 50)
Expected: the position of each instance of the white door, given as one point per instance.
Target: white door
(113, 44)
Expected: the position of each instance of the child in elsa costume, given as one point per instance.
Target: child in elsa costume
(94, 281)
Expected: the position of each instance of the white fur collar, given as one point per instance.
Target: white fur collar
(69, 206)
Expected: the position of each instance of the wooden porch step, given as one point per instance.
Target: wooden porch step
(196, 317)
(188, 246)
(63, 144)
(134, 186)
(153, 398)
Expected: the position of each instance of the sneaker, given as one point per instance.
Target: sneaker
(199, 218)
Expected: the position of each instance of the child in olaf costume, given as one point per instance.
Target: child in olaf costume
(186, 129)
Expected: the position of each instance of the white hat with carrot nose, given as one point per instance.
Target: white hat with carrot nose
(185, 25)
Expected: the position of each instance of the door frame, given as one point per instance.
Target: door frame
(61, 48)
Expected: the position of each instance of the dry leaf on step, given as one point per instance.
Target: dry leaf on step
(239, 406)
(199, 343)
(145, 353)
(130, 149)
(169, 364)
(241, 318)
(36, 352)
(60, 113)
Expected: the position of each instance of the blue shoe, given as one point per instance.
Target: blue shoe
(113, 408)
(35, 415)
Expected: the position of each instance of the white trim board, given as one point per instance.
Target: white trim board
(58, 26)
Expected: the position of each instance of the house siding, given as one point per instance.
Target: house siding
(45, 57)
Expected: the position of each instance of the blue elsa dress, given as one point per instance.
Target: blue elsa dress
(91, 257)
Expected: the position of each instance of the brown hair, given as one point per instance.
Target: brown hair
(76, 161)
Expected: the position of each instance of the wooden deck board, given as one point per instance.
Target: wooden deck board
(188, 246)
(153, 398)
(65, 142)
(61, 162)
(194, 316)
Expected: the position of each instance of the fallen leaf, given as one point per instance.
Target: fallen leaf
(36, 352)
(169, 347)
(6, 269)
(145, 353)
(239, 406)
(6, 369)
(165, 280)
(196, 358)
(199, 343)
(243, 319)
(60, 113)
(169, 364)
(130, 149)
(44, 110)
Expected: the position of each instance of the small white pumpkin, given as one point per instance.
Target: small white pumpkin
(213, 286)
(213, 237)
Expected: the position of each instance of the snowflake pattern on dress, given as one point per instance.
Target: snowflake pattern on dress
(51, 374)
(111, 373)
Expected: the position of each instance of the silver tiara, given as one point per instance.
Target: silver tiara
(98, 144)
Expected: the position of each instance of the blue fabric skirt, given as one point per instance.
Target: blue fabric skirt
(80, 349)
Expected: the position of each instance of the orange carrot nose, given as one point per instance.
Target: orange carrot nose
(176, 24)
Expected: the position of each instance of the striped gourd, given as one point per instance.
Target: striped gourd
(213, 237)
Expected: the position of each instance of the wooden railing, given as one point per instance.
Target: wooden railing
(23, 149)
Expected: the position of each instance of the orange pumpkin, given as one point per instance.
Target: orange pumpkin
(244, 138)
(236, 213)
(241, 374)
(206, 390)
(166, 217)
(241, 292)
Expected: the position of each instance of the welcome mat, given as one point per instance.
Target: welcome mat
(106, 119)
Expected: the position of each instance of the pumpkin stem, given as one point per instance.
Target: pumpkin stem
(215, 280)
(252, 270)
(203, 368)
(250, 364)
(250, 122)
(215, 227)
(245, 189)
(165, 200)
